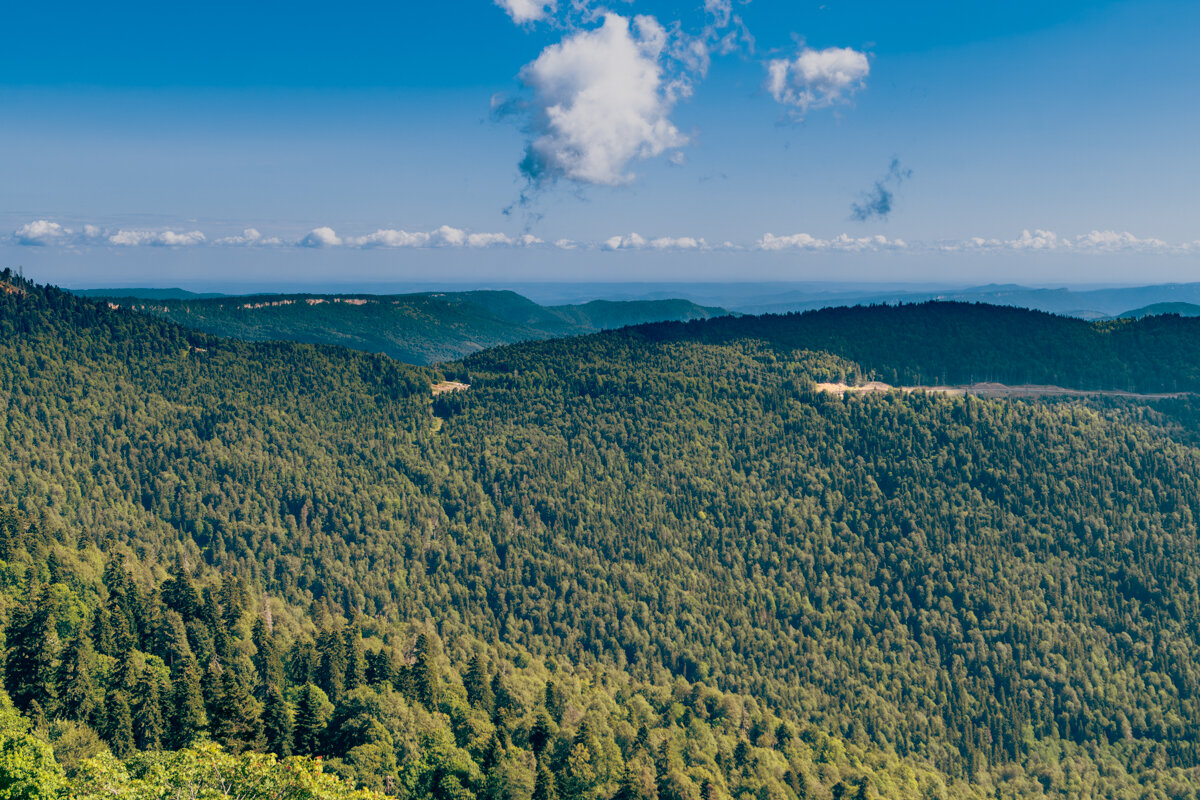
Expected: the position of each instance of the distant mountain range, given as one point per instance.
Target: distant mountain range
(415, 328)
(776, 297)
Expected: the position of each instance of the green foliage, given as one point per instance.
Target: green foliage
(28, 770)
(652, 563)
(209, 772)
(414, 328)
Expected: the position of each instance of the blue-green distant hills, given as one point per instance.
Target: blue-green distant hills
(422, 328)
(1158, 309)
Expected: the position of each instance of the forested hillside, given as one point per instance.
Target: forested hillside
(413, 328)
(651, 563)
(951, 343)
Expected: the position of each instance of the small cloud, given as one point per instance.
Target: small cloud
(40, 233)
(877, 203)
(321, 237)
(523, 11)
(136, 238)
(840, 243)
(250, 237)
(1112, 241)
(635, 241)
(445, 236)
(817, 79)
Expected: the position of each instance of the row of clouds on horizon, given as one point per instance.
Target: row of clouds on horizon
(47, 233)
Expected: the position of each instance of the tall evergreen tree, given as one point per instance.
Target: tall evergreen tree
(78, 696)
(543, 786)
(356, 661)
(331, 667)
(266, 657)
(425, 681)
(190, 718)
(310, 722)
(278, 725)
(236, 720)
(479, 689)
(148, 727)
(118, 723)
(31, 641)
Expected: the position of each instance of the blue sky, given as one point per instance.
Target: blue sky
(712, 140)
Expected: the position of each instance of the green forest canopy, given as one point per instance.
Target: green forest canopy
(651, 562)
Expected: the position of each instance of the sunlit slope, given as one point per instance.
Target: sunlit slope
(413, 328)
(974, 582)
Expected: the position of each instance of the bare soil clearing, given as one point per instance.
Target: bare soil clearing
(450, 386)
(991, 390)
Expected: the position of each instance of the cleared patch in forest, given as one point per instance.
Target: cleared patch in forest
(450, 386)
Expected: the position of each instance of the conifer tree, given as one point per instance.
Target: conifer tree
(543, 786)
(331, 666)
(118, 723)
(266, 657)
(78, 696)
(31, 642)
(235, 721)
(102, 632)
(479, 690)
(379, 667)
(148, 727)
(179, 593)
(190, 718)
(278, 727)
(310, 722)
(356, 661)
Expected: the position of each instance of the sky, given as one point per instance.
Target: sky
(502, 140)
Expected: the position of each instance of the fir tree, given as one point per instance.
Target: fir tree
(235, 720)
(331, 667)
(310, 721)
(356, 662)
(479, 690)
(424, 675)
(543, 786)
(278, 727)
(379, 667)
(118, 724)
(266, 657)
(78, 696)
(148, 728)
(29, 654)
(190, 718)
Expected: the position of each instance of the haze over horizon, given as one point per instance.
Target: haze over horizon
(721, 140)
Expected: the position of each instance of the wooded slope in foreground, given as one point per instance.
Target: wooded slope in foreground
(614, 566)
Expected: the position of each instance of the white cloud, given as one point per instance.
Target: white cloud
(250, 237)
(136, 238)
(40, 233)
(1112, 241)
(635, 241)
(839, 243)
(1096, 241)
(321, 237)
(445, 236)
(523, 11)
(600, 102)
(817, 78)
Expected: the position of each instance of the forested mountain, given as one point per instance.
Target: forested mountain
(414, 328)
(954, 343)
(1157, 309)
(649, 563)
